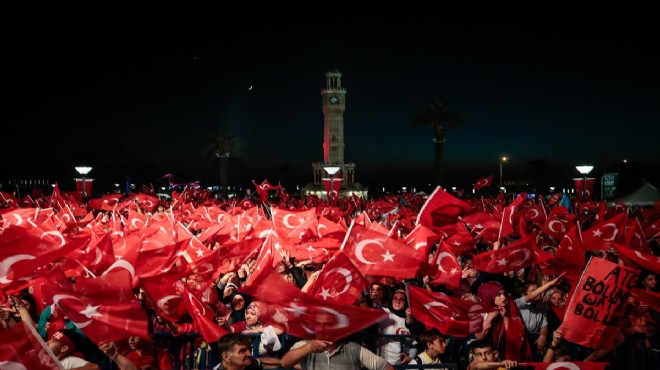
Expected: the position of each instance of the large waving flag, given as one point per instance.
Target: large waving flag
(441, 208)
(377, 254)
(339, 281)
(517, 255)
(104, 308)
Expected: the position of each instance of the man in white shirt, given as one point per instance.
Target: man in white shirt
(63, 344)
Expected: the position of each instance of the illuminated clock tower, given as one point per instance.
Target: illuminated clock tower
(333, 103)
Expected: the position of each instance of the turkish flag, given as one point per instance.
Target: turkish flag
(589, 323)
(566, 365)
(451, 315)
(152, 262)
(105, 203)
(638, 259)
(104, 308)
(441, 208)
(514, 256)
(648, 297)
(9, 200)
(449, 270)
(339, 281)
(535, 213)
(203, 318)
(581, 189)
(601, 234)
(421, 238)
(306, 317)
(233, 255)
(570, 249)
(22, 254)
(506, 225)
(23, 348)
(164, 293)
(558, 221)
(294, 224)
(376, 254)
(482, 183)
(634, 238)
(330, 229)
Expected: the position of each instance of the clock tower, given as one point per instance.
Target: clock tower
(333, 104)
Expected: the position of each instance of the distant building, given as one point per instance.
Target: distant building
(333, 101)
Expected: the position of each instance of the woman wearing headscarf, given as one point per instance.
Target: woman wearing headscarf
(254, 325)
(507, 335)
(399, 321)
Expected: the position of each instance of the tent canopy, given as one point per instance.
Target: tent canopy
(646, 195)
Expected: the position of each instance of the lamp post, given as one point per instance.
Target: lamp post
(584, 170)
(83, 170)
(502, 160)
(332, 170)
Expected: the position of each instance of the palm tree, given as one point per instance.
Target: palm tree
(221, 145)
(438, 114)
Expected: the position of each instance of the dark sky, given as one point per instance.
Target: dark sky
(148, 83)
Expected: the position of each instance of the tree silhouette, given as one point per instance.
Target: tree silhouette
(437, 113)
(221, 146)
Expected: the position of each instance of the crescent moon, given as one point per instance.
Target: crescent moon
(563, 365)
(482, 182)
(161, 303)
(99, 256)
(615, 231)
(6, 264)
(439, 261)
(55, 234)
(250, 88)
(66, 217)
(121, 264)
(285, 221)
(342, 320)
(347, 275)
(19, 219)
(550, 226)
(58, 297)
(520, 263)
(436, 304)
(134, 222)
(11, 365)
(321, 226)
(419, 245)
(533, 213)
(640, 256)
(192, 298)
(148, 204)
(360, 246)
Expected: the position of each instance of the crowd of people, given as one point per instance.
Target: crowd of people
(245, 321)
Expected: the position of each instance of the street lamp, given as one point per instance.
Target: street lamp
(584, 170)
(502, 160)
(332, 170)
(83, 170)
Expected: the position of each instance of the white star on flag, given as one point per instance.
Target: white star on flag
(388, 256)
(91, 311)
(502, 262)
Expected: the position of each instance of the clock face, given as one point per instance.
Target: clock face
(334, 100)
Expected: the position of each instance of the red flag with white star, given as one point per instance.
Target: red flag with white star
(514, 256)
(339, 281)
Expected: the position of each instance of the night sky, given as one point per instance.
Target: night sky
(136, 89)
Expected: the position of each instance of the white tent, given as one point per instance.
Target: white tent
(646, 195)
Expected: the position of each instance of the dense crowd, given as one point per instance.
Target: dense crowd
(364, 284)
